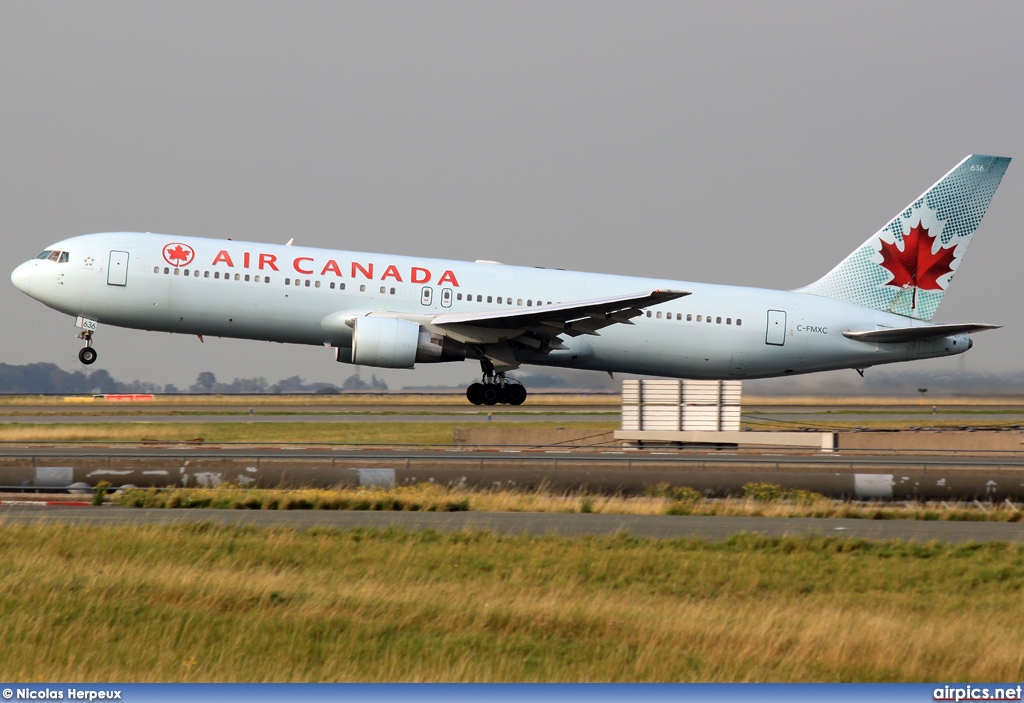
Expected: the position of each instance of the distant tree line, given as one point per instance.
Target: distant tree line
(207, 382)
(50, 378)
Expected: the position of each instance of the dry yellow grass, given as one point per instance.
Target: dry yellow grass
(875, 401)
(341, 400)
(200, 603)
(256, 432)
(663, 500)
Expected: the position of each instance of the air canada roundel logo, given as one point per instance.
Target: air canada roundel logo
(178, 254)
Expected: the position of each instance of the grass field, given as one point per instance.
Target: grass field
(458, 398)
(255, 432)
(204, 603)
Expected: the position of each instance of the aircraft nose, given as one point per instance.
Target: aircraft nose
(21, 277)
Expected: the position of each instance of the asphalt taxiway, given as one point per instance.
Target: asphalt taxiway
(562, 524)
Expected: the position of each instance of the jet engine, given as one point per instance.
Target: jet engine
(393, 343)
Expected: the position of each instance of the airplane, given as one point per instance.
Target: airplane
(381, 310)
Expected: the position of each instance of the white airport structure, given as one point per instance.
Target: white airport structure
(657, 411)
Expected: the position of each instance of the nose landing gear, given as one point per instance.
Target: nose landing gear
(496, 389)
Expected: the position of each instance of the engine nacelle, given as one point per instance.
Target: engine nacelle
(394, 343)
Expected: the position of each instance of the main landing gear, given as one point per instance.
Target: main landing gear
(496, 389)
(87, 355)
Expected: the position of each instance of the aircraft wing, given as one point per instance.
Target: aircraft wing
(913, 334)
(572, 318)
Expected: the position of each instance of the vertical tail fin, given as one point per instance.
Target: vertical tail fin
(907, 266)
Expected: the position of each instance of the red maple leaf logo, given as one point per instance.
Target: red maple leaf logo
(916, 266)
(178, 254)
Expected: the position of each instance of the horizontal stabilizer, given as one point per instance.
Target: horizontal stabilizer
(913, 334)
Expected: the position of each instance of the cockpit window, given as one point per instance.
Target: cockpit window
(61, 257)
(45, 254)
(54, 256)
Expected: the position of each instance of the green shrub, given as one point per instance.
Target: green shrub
(770, 492)
(682, 494)
(99, 493)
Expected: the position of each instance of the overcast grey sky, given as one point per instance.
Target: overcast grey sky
(750, 143)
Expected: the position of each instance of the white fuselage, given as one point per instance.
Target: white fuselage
(290, 294)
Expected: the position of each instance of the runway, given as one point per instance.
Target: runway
(562, 524)
(696, 458)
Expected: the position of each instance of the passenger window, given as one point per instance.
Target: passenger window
(266, 279)
(648, 313)
(383, 289)
(156, 269)
(206, 274)
(718, 320)
(479, 299)
(341, 286)
(519, 302)
(246, 277)
(700, 318)
(529, 303)
(256, 279)
(738, 322)
(287, 281)
(679, 316)
(332, 285)
(459, 296)
(186, 273)
(298, 282)
(317, 284)
(689, 317)
(709, 319)
(362, 288)
(195, 274)
(498, 300)
(659, 314)
(392, 291)
(216, 274)
(238, 277)
(177, 272)
(728, 320)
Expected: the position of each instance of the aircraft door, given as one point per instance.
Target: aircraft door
(776, 334)
(426, 295)
(446, 297)
(117, 271)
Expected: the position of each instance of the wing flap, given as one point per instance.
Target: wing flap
(913, 334)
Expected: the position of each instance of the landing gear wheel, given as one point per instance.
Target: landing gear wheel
(475, 393)
(87, 355)
(491, 394)
(515, 395)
